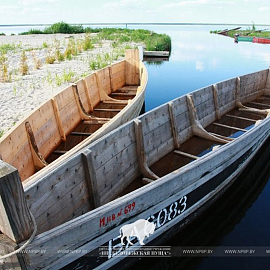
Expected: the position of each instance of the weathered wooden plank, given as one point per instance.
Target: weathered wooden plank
(230, 127)
(106, 110)
(70, 116)
(15, 220)
(259, 104)
(118, 67)
(205, 106)
(241, 118)
(48, 137)
(41, 115)
(206, 110)
(104, 81)
(117, 165)
(185, 134)
(92, 88)
(105, 114)
(203, 95)
(114, 144)
(76, 133)
(58, 120)
(84, 94)
(121, 103)
(154, 119)
(67, 207)
(12, 142)
(38, 159)
(163, 149)
(208, 119)
(59, 152)
(267, 83)
(14, 262)
(96, 122)
(117, 185)
(128, 88)
(91, 177)
(64, 98)
(118, 75)
(173, 125)
(117, 81)
(183, 125)
(18, 138)
(23, 162)
(182, 122)
(158, 136)
(132, 67)
(181, 153)
(117, 94)
(227, 108)
(252, 85)
(142, 152)
(50, 193)
(226, 93)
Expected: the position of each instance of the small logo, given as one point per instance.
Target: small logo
(141, 228)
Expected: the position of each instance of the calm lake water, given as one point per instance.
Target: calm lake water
(241, 218)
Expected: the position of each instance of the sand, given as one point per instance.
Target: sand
(24, 93)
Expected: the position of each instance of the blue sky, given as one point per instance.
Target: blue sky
(97, 11)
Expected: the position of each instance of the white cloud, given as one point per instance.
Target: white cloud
(124, 3)
(263, 8)
(200, 65)
(196, 2)
(35, 2)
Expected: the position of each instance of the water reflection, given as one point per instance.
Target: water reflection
(198, 59)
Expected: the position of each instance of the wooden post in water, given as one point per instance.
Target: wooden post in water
(16, 222)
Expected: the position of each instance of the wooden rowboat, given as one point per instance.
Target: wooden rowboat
(76, 116)
(133, 185)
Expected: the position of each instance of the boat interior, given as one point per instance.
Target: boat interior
(103, 112)
(149, 147)
(71, 116)
(252, 105)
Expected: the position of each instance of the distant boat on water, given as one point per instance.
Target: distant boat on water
(261, 40)
(252, 39)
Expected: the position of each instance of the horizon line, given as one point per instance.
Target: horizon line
(133, 23)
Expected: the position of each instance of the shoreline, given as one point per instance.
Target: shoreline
(25, 92)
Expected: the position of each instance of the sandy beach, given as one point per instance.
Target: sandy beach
(23, 93)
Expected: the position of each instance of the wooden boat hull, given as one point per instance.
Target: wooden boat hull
(183, 197)
(34, 142)
(99, 178)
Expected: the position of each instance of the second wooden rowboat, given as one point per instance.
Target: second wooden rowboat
(133, 185)
(76, 116)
